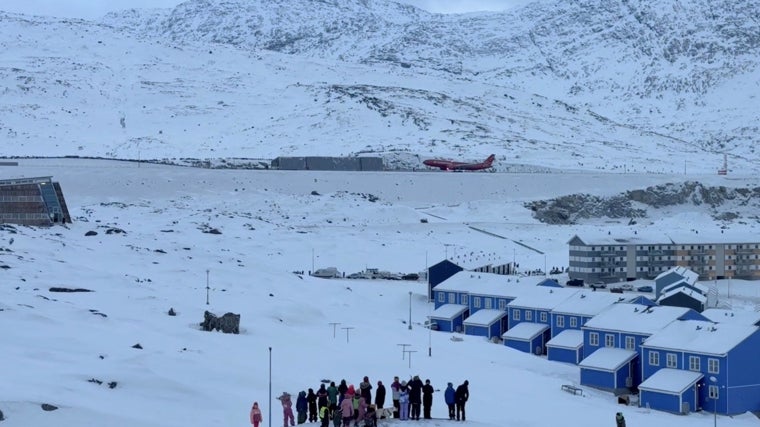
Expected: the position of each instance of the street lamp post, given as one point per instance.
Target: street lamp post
(270, 387)
(410, 310)
(714, 381)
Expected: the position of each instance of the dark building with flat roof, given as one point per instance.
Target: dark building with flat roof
(32, 201)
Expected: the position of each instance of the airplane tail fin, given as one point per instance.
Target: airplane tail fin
(490, 160)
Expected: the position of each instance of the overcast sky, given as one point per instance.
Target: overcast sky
(91, 9)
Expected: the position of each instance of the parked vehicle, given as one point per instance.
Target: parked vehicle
(411, 276)
(327, 273)
(616, 290)
(646, 288)
(575, 282)
(598, 285)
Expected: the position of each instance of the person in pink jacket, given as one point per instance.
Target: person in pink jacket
(287, 410)
(256, 416)
(347, 411)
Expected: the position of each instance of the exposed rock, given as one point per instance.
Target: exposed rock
(137, 346)
(229, 323)
(48, 407)
(2, 417)
(112, 384)
(91, 233)
(57, 289)
(114, 230)
(172, 312)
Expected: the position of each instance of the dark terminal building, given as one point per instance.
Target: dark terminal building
(32, 201)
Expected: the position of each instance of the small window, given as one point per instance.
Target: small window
(516, 314)
(654, 358)
(573, 322)
(671, 360)
(713, 366)
(630, 343)
(528, 315)
(560, 321)
(465, 299)
(488, 302)
(593, 339)
(503, 305)
(694, 364)
(453, 298)
(476, 302)
(543, 317)
(609, 340)
(441, 297)
(712, 392)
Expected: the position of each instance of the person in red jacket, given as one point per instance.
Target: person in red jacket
(256, 417)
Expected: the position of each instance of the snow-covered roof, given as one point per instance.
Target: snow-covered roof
(687, 274)
(586, 303)
(477, 259)
(525, 331)
(448, 311)
(671, 381)
(635, 318)
(683, 290)
(485, 317)
(744, 317)
(569, 338)
(608, 359)
(700, 336)
(685, 282)
(465, 281)
(656, 237)
(543, 298)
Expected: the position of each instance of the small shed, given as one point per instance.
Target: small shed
(449, 317)
(528, 337)
(684, 297)
(609, 369)
(487, 323)
(671, 390)
(566, 347)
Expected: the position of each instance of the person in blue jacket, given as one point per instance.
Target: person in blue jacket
(449, 395)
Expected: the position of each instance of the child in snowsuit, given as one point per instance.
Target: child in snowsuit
(347, 411)
(324, 415)
(620, 420)
(403, 402)
(287, 410)
(256, 416)
(450, 400)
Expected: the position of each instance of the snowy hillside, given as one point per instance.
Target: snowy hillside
(620, 86)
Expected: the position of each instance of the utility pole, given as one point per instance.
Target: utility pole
(410, 310)
(403, 349)
(270, 387)
(410, 356)
(334, 325)
(348, 329)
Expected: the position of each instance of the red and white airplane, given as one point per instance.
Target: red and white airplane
(450, 165)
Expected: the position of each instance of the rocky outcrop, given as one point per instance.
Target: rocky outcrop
(229, 323)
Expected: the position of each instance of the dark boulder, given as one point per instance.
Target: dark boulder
(48, 407)
(91, 233)
(57, 289)
(172, 312)
(229, 323)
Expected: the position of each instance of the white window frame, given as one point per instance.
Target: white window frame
(528, 316)
(593, 339)
(630, 343)
(654, 358)
(560, 321)
(713, 366)
(476, 302)
(713, 392)
(516, 314)
(543, 317)
(573, 322)
(671, 360)
(694, 363)
(453, 298)
(609, 340)
(503, 305)
(488, 303)
(465, 299)
(441, 297)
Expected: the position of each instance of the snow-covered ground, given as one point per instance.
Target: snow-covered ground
(273, 223)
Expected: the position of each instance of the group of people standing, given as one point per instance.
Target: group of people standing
(345, 405)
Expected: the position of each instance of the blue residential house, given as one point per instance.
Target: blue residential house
(623, 326)
(674, 275)
(580, 307)
(683, 296)
(721, 362)
(439, 273)
(487, 323)
(722, 315)
(449, 318)
(567, 347)
(536, 305)
(528, 337)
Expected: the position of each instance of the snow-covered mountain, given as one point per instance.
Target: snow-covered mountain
(617, 85)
